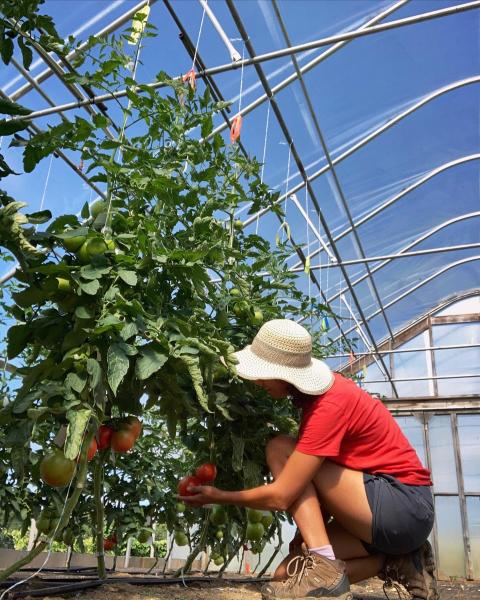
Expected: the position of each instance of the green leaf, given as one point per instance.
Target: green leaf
(85, 213)
(39, 217)
(27, 54)
(150, 361)
(17, 339)
(7, 107)
(90, 288)
(6, 49)
(9, 127)
(128, 331)
(193, 365)
(21, 404)
(129, 277)
(117, 366)
(82, 312)
(75, 382)
(95, 371)
(77, 423)
(94, 271)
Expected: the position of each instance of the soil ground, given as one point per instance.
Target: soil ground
(370, 590)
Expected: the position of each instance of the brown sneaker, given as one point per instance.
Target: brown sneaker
(415, 571)
(310, 576)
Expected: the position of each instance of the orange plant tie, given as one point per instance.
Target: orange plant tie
(236, 128)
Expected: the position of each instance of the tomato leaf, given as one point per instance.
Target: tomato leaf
(95, 371)
(193, 365)
(75, 382)
(9, 127)
(117, 366)
(90, 288)
(150, 361)
(129, 277)
(7, 107)
(17, 339)
(77, 423)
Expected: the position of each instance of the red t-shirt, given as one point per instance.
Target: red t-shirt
(353, 429)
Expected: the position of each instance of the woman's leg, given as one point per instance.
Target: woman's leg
(341, 491)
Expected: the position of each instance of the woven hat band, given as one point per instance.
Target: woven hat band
(280, 357)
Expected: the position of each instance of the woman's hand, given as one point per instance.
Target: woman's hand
(204, 494)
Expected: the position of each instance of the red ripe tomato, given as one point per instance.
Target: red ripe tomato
(57, 470)
(185, 483)
(122, 440)
(92, 450)
(206, 472)
(109, 543)
(104, 437)
(133, 424)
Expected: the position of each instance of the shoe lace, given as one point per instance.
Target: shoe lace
(297, 567)
(389, 584)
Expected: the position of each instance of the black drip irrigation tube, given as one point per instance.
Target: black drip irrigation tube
(59, 586)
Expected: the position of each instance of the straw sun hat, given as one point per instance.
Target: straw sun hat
(282, 349)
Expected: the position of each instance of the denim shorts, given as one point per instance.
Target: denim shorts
(402, 514)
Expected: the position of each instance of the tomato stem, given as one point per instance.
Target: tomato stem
(98, 491)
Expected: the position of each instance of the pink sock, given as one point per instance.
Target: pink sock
(326, 551)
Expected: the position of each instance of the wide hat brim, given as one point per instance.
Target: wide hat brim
(313, 379)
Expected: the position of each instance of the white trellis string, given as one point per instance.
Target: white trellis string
(241, 81)
(264, 157)
(308, 255)
(286, 188)
(47, 178)
(198, 38)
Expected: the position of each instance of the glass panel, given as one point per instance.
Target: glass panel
(409, 365)
(457, 361)
(473, 514)
(372, 372)
(469, 436)
(444, 471)
(413, 430)
(451, 560)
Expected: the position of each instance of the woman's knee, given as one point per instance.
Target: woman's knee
(279, 448)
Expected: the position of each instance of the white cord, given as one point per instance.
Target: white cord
(46, 182)
(198, 38)
(241, 81)
(286, 188)
(264, 157)
(308, 256)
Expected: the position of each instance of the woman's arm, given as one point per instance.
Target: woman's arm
(299, 470)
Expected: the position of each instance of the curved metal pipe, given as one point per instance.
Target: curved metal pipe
(397, 197)
(425, 100)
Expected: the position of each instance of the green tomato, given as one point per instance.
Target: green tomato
(72, 244)
(218, 516)
(92, 247)
(241, 308)
(97, 208)
(267, 520)
(238, 224)
(44, 523)
(144, 536)
(180, 507)
(64, 285)
(110, 245)
(235, 292)
(218, 560)
(180, 538)
(254, 516)
(219, 534)
(67, 537)
(257, 317)
(255, 532)
(56, 470)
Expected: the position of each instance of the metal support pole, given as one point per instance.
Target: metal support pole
(389, 257)
(428, 456)
(273, 55)
(403, 350)
(427, 378)
(461, 497)
(301, 168)
(234, 54)
(128, 553)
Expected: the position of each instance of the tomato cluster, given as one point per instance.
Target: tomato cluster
(110, 542)
(122, 436)
(204, 474)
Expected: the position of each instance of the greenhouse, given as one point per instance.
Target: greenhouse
(240, 299)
